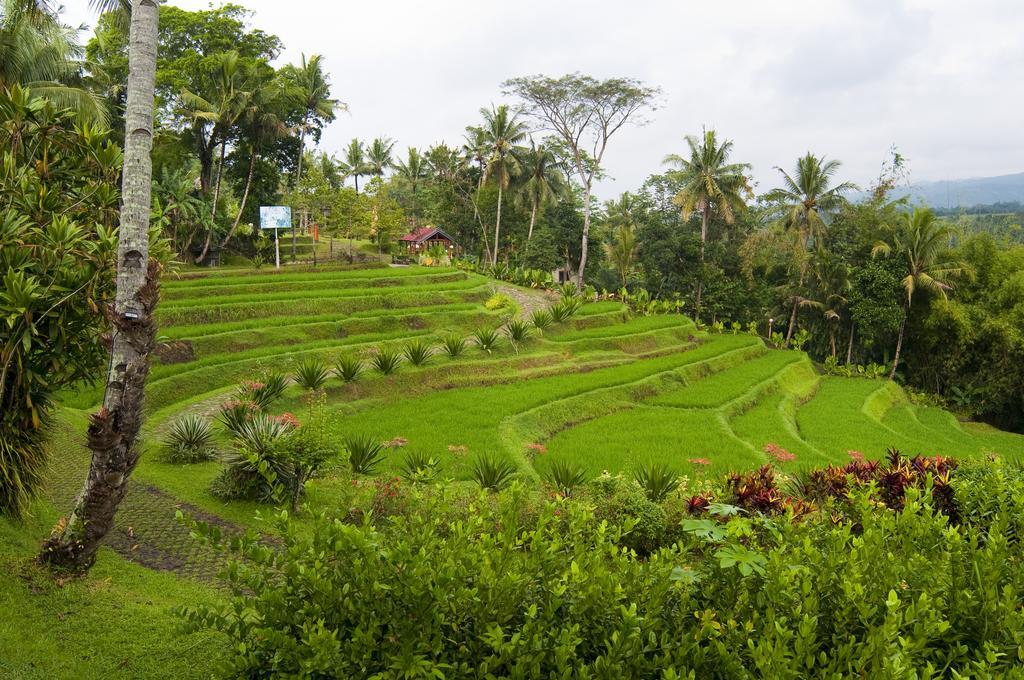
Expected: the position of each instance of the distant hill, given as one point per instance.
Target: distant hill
(964, 193)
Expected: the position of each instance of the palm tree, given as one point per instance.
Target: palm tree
(413, 171)
(378, 156)
(229, 101)
(622, 250)
(803, 204)
(43, 55)
(259, 125)
(922, 242)
(308, 84)
(543, 180)
(175, 191)
(501, 132)
(114, 430)
(831, 285)
(354, 163)
(711, 186)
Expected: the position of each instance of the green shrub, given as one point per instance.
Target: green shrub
(364, 453)
(190, 440)
(541, 319)
(349, 368)
(874, 593)
(246, 467)
(657, 480)
(487, 339)
(517, 331)
(386, 361)
(500, 301)
(420, 468)
(311, 374)
(453, 345)
(418, 352)
(492, 473)
(565, 476)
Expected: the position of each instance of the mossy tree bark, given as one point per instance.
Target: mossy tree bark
(113, 431)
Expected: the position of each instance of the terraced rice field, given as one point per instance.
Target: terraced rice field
(604, 389)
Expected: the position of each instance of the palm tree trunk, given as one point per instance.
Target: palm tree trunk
(705, 214)
(356, 177)
(792, 316)
(899, 339)
(497, 229)
(586, 236)
(849, 346)
(302, 148)
(216, 198)
(533, 220)
(113, 430)
(245, 197)
(832, 340)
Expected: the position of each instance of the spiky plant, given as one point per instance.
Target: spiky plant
(565, 309)
(264, 392)
(418, 352)
(657, 480)
(454, 345)
(420, 468)
(386, 361)
(518, 331)
(259, 434)
(565, 476)
(311, 374)
(364, 453)
(487, 339)
(491, 473)
(190, 440)
(349, 368)
(541, 319)
(236, 413)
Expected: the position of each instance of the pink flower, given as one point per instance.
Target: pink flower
(699, 461)
(856, 455)
(287, 419)
(537, 448)
(396, 443)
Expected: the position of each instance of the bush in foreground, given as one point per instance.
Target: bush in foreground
(861, 591)
(190, 440)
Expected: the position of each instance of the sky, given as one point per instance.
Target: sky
(943, 80)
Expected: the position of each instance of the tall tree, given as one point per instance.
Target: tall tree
(622, 250)
(260, 125)
(502, 130)
(584, 113)
(114, 430)
(38, 52)
(922, 243)
(378, 156)
(354, 162)
(413, 172)
(310, 87)
(229, 101)
(803, 203)
(543, 180)
(711, 186)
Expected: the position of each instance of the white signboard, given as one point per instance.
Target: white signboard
(275, 217)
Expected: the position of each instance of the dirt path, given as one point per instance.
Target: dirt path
(145, 530)
(529, 300)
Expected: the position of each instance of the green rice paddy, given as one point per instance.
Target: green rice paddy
(605, 389)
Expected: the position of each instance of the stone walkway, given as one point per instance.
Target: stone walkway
(528, 299)
(146, 530)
